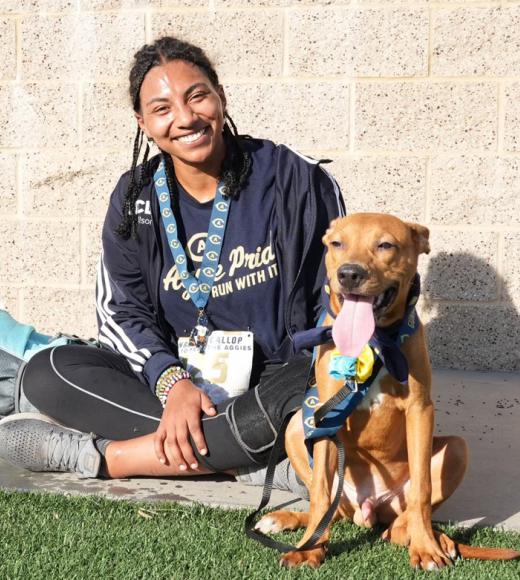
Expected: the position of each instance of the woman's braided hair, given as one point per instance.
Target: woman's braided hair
(236, 165)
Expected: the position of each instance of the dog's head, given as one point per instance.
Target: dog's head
(374, 255)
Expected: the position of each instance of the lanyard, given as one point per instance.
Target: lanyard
(198, 289)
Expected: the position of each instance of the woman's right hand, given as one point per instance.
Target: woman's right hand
(181, 419)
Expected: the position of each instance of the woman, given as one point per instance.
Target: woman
(148, 415)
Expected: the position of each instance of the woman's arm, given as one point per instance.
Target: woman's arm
(126, 316)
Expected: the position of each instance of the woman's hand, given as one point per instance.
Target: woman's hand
(182, 418)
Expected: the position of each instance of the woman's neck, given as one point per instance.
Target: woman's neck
(200, 183)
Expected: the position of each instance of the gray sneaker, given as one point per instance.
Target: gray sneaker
(37, 443)
(285, 478)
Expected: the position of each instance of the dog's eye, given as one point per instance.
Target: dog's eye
(336, 244)
(385, 246)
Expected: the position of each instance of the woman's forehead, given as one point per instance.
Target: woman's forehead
(173, 76)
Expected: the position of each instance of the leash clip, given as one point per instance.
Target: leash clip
(352, 385)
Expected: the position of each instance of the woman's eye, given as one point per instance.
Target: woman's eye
(385, 246)
(336, 244)
(161, 110)
(198, 96)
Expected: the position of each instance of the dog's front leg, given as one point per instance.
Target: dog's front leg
(424, 549)
(325, 466)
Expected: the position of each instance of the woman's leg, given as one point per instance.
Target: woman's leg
(93, 390)
(240, 435)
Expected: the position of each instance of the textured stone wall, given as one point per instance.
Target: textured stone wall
(417, 102)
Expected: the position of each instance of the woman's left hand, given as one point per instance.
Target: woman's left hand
(181, 420)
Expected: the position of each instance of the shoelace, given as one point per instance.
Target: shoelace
(64, 448)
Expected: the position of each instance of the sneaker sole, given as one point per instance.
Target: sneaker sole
(38, 416)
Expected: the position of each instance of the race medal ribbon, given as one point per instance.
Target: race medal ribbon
(198, 289)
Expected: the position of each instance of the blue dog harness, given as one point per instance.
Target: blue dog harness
(383, 349)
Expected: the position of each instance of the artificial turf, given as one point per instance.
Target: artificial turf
(53, 537)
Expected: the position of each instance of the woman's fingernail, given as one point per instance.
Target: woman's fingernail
(194, 465)
(162, 460)
(203, 451)
(182, 467)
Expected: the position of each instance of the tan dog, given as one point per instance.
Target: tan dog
(396, 471)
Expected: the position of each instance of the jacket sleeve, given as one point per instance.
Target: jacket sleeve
(309, 199)
(126, 317)
(330, 204)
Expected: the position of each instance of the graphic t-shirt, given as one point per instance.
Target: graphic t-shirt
(246, 293)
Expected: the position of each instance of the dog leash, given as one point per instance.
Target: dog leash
(325, 521)
(278, 447)
(335, 410)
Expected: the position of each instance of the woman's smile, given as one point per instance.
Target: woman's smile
(194, 138)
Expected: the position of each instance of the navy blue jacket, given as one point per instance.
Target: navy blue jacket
(130, 316)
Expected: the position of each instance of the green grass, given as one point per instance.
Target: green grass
(52, 537)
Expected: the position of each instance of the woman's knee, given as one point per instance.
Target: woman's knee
(34, 381)
(48, 372)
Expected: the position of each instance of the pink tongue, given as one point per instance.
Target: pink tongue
(354, 325)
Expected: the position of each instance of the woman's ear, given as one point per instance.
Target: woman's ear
(140, 122)
(222, 95)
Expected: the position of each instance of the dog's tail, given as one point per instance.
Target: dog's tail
(475, 553)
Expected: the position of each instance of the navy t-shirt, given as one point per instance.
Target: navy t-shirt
(246, 293)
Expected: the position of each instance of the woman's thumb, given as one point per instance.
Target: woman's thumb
(207, 405)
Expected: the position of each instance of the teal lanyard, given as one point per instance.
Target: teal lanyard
(199, 289)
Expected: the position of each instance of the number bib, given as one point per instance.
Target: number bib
(224, 369)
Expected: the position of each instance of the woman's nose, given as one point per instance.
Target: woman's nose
(183, 115)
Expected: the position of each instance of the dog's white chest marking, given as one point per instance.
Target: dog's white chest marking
(375, 397)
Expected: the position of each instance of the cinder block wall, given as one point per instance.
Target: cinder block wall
(417, 103)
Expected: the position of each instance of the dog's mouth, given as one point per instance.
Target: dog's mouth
(381, 302)
(384, 300)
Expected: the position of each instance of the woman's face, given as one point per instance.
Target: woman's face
(183, 113)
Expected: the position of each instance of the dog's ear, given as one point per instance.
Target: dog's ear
(421, 237)
(328, 233)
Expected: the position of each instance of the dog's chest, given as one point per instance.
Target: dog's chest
(378, 394)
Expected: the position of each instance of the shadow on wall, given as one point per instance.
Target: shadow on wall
(471, 320)
(472, 323)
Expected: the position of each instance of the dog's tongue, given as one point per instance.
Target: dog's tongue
(354, 325)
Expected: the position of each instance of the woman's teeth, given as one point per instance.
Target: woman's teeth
(192, 136)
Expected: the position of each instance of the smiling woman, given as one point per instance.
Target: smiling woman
(214, 242)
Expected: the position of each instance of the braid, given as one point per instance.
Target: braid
(128, 227)
(237, 164)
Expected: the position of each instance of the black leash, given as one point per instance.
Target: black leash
(275, 454)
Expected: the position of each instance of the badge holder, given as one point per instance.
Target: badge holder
(199, 334)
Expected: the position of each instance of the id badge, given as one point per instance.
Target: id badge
(223, 370)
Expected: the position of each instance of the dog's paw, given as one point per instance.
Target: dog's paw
(428, 555)
(311, 558)
(279, 521)
(269, 525)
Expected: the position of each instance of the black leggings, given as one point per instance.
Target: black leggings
(94, 390)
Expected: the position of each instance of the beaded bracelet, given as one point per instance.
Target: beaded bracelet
(167, 380)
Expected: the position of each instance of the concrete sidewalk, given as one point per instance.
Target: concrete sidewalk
(484, 408)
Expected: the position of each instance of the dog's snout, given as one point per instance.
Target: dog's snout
(351, 276)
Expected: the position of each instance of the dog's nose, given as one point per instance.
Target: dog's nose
(351, 276)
